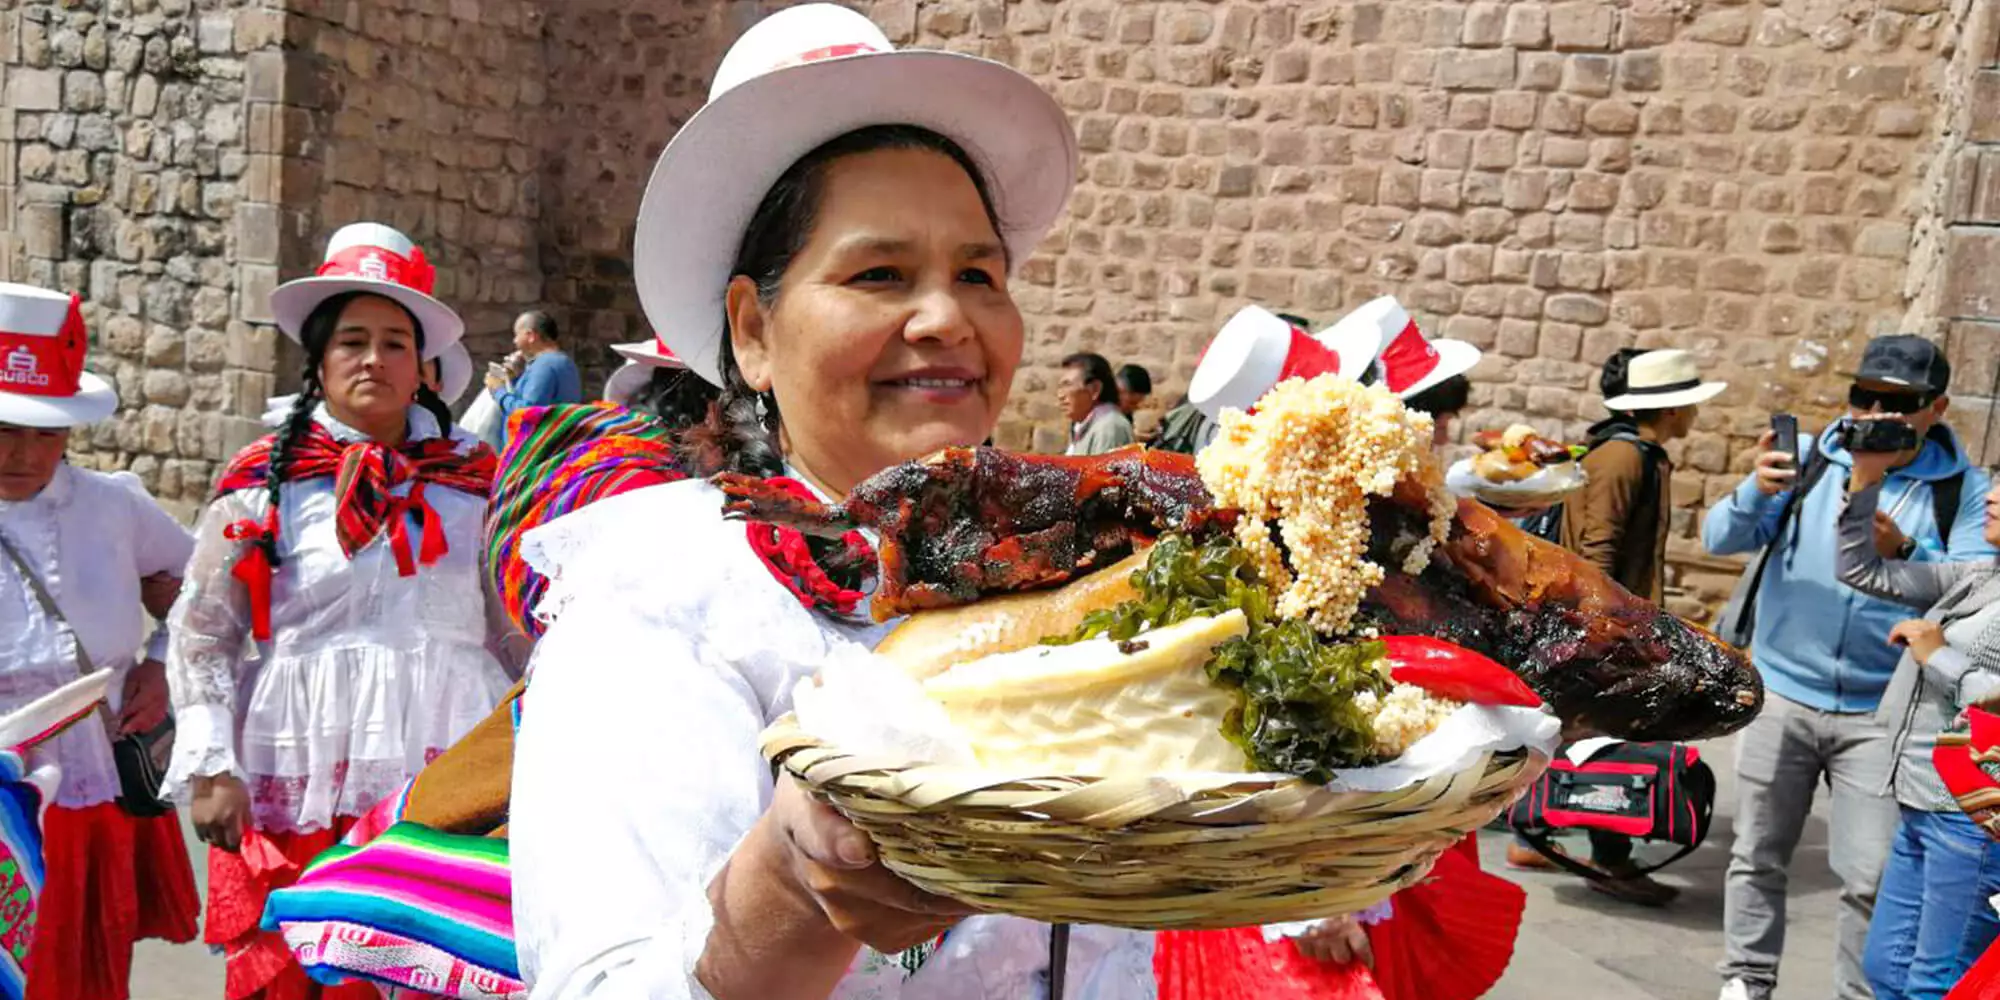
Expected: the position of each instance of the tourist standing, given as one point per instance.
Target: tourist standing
(82, 550)
(330, 640)
(1823, 650)
(547, 376)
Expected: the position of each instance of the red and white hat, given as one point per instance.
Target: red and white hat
(1382, 334)
(1253, 352)
(42, 348)
(640, 360)
(371, 257)
(795, 80)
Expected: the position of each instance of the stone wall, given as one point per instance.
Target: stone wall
(426, 115)
(122, 155)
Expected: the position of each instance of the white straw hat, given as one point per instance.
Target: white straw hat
(42, 348)
(371, 257)
(1253, 352)
(454, 372)
(796, 80)
(1382, 333)
(1662, 380)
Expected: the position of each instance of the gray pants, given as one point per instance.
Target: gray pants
(1781, 757)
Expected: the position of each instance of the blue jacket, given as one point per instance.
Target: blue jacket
(1820, 642)
(550, 378)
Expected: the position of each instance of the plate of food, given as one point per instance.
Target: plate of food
(1272, 682)
(1518, 467)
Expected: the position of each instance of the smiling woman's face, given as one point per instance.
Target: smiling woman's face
(369, 371)
(892, 334)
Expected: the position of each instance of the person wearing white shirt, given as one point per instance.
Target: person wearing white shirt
(88, 556)
(335, 633)
(865, 321)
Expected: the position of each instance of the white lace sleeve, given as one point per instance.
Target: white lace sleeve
(207, 631)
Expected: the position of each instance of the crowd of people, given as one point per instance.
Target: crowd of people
(550, 636)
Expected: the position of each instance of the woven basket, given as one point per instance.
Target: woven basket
(1150, 853)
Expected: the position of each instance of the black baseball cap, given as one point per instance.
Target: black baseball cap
(1907, 361)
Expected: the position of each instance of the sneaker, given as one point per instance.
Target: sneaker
(1735, 989)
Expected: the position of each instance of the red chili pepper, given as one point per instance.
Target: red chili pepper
(1455, 672)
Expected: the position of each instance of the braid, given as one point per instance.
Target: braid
(435, 404)
(736, 437)
(297, 422)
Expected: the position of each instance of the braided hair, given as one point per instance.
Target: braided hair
(675, 397)
(740, 434)
(315, 334)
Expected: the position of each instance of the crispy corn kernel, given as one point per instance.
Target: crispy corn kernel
(1307, 461)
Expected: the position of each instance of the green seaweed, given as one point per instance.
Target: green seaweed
(1295, 711)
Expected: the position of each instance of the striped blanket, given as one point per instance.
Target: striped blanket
(22, 797)
(560, 459)
(412, 909)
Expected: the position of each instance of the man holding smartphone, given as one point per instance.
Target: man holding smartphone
(1823, 649)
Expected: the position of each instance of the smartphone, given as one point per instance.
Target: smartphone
(1785, 435)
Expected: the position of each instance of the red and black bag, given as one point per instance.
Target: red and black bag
(1647, 791)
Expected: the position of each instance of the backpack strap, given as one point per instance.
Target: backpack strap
(1543, 841)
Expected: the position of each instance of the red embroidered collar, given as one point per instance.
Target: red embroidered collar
(786, 553)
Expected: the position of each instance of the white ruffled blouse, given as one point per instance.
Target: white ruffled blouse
(369, 674)
(91, 537)
(670, 647)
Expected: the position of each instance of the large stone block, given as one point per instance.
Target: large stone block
(1972, 273)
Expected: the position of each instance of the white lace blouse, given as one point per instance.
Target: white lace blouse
(91, 537)
(637, 771)
(368, 675)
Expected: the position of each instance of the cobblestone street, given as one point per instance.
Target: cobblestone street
(1576, 945)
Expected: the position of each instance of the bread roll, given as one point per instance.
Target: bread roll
(931, 642)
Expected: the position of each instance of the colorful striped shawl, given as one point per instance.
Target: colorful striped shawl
(560, 459)
(412, 892)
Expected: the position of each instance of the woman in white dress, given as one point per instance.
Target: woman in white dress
(99, 548)
(829, 240)
(334, 634)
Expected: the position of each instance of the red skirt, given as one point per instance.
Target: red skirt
(113, 880)
(259, 964)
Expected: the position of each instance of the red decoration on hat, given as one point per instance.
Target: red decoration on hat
(829, 52)
(1308, 358)
(380, 264)
(37, 364)
(1408, 359)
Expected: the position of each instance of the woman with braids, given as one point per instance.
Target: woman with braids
(345, 549)
(829, 241)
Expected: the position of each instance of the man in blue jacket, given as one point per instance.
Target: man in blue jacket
(548, 376)
(1823, 650)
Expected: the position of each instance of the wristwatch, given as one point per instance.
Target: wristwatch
(1907, 549)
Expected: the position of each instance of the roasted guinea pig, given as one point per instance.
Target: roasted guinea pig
(1516, 453)
(968, 523)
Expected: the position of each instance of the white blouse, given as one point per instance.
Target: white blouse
(636, 770)
(368, 675)
(91, 537)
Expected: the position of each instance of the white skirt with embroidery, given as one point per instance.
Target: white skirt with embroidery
(333, 732)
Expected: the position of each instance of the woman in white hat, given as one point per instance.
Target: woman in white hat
(78, 548)
(343, 550)
(829, 241)
(655, 382)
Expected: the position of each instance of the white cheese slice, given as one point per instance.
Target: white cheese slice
(1091, 709)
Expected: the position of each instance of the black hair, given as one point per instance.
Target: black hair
(1095, 369)
(542, 323)
(1299, 321)
(740, 434)
(675, 397)
(1133, 378)
(315, 334)
(1444, 399)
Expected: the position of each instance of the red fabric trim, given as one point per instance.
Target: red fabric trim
(785, 553)
(259, 964)
(1408, 358)
(112, 880)
(379, 264)
(49, 367)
